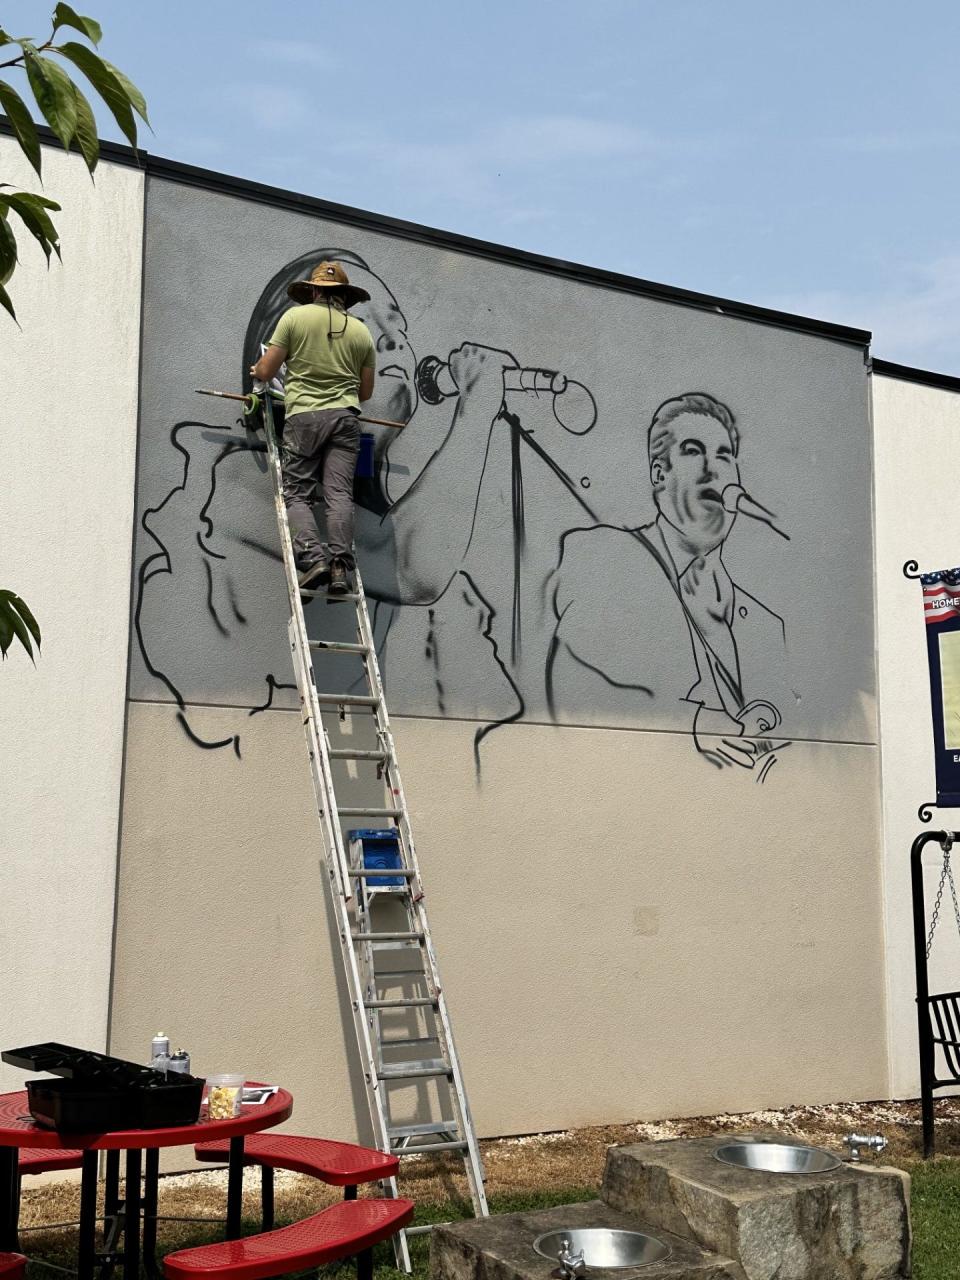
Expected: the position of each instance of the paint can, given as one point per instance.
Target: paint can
(180, 1061)
(159, 1051)
(365, 456)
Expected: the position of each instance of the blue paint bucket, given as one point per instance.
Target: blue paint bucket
(381, 852)
(365, 456)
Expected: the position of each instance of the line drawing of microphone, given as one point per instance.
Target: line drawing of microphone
(573, 404)
(735, 498)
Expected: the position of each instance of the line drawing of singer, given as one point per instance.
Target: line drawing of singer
(442, 527)
(650, 624)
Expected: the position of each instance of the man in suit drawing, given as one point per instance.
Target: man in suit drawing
(649, 623)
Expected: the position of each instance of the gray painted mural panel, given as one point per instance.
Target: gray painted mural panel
(527, 558)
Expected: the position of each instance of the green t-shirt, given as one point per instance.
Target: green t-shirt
(322, 372)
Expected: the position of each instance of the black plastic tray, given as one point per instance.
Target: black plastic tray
(72, 1106)
(100, 1093)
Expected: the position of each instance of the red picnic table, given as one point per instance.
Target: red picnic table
(18, 1129)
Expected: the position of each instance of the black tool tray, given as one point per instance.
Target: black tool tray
(98, 1093)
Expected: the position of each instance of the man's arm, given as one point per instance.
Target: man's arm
(268, 366)
(425, 535)
(367, 377)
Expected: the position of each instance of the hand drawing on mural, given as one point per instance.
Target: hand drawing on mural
(416, 545)
(652, 613)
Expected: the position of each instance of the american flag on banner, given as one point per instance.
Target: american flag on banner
(941, 595)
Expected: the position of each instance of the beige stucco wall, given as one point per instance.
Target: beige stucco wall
(917, 444)
(67, 457)
(623, 932)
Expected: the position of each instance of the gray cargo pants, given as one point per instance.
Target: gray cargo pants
(320, 452)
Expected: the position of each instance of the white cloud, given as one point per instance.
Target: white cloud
(272, 107)
(895, 141)
(914, 317)
(299, 54)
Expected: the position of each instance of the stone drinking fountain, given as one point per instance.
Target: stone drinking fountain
(754, 1207)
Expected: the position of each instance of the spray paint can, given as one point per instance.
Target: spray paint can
(180, 1062)
(159, 1051)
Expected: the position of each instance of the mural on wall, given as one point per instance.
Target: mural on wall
(541, 543)
(677, 595)
(415, 545)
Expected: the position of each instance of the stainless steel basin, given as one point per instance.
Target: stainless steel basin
(777, 1157)
(603, 1247)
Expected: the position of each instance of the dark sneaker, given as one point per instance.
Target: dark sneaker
(339, 584)
(312, 575)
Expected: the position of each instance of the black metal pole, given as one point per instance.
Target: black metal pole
(87, 1248)
(365, 1265)
(350, 1192)
(151, 1176)
(235, 1188)
(9, 1199)
(111, 1198)
(131, 1217)
(266, 1198)
(924, 1030)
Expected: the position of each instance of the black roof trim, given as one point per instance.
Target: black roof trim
(208, 180)
(906, 373)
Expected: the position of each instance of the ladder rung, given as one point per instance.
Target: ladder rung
(347, 699)
(411, 1042)
(352, 812)
(366, 936)
(421, 1002)
(429, 1148)
(416, 1130)
(371, 873)
(308, 593)
(413, 1070)
(338, 646)
(342, 753)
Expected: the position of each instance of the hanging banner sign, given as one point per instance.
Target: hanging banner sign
(941, 613)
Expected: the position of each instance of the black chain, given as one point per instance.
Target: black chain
(945, 875)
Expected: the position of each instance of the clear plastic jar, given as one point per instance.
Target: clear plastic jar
(224, 1094)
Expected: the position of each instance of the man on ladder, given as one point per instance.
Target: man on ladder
(330, 361)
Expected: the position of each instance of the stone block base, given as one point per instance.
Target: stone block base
(501, 1248)
(852, 1223)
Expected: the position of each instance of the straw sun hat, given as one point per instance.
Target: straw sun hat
(327, 275)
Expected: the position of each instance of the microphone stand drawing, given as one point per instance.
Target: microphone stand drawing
(735, 498)
(574, 409)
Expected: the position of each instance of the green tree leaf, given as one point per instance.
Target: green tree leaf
(33, 213)
(8, 248)
(32, 625)
(64, 16)
(136, 98)
(53, 90)
(86, 135)
(4, 38)
(7, 304)
(23, 127)
(6, 631)
(106, 84)
(16, 621)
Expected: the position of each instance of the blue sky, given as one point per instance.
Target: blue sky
(794, 156)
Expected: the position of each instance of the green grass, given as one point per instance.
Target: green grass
(59, 1247)
(935, 1209)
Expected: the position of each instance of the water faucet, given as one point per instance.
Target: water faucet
(571, 1264)
(857, 1141)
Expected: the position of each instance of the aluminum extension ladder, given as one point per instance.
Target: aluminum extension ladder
(368, 907)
